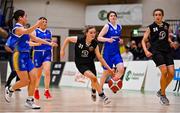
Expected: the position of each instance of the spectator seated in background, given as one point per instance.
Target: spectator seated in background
(122, 47)
(141, 54)
(176, 40)
(127, 55)
(134, 50)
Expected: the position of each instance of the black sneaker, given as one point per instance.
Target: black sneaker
(18, 90)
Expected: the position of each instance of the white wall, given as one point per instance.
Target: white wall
(60, 13)
(170, 7)
(63, 15)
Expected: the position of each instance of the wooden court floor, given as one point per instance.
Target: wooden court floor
(68, 99)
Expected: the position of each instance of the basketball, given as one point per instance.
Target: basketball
(115, 84)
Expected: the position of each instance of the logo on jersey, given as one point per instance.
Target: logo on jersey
(162, 35)
(155, 29)
(84, 53)
(80, 46)
(165, 27)
(91, 48)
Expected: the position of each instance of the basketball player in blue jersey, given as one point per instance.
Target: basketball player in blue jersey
(9, 47)
(21, 58)
(42, 58)
(110, 35)
(158, 34)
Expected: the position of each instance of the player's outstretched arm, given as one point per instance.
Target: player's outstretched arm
(101, 59)
(72, 39)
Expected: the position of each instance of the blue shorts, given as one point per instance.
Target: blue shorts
(22, 61)
(40, 56)
(112, 60)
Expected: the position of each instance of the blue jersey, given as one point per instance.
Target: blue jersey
(11, 42)
(45, 35)
(115, 33)
(23, 41)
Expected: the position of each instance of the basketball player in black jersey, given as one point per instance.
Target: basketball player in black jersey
(86, 49)
(158, 35)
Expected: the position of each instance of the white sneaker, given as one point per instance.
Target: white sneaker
(31, 104)
(8, 94)
(105, 100)
(164, 100)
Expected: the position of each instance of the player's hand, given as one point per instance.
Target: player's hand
(37, 44)
(62, 53)
(148, 54)
(40, 22)
(173, 45)
(121, 42)
(112, 72)
(53, 44)
(110, 40)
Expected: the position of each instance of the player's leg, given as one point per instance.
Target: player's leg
(160, 62)
(96, 85)
(24, 81)
(12, 74)
(170, 74)
(37, 60)
(163, 84)
(31, 87)
(120, 70)
(105, 73)
(46, 69)
(117, 60)
(19, 65)
(170, 68)
(103, 78)
(38, 78)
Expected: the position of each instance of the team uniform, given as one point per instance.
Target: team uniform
(111, 52)
(160, 46)
(42, 53)
(84, 55)
(11, 42)
(21, 55)
(84, 60)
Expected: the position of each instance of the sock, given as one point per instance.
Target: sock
(102, 95)
(30, 98)
(46, 89)
(11, 90)
(93, 90)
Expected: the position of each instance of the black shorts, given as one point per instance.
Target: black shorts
(161, 58)
(84, 67)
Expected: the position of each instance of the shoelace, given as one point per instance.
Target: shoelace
(30, 101)
(164, 99)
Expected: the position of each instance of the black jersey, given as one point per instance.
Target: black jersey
(85, 53)
(159, 37)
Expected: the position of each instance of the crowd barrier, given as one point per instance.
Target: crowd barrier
(139, 75)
